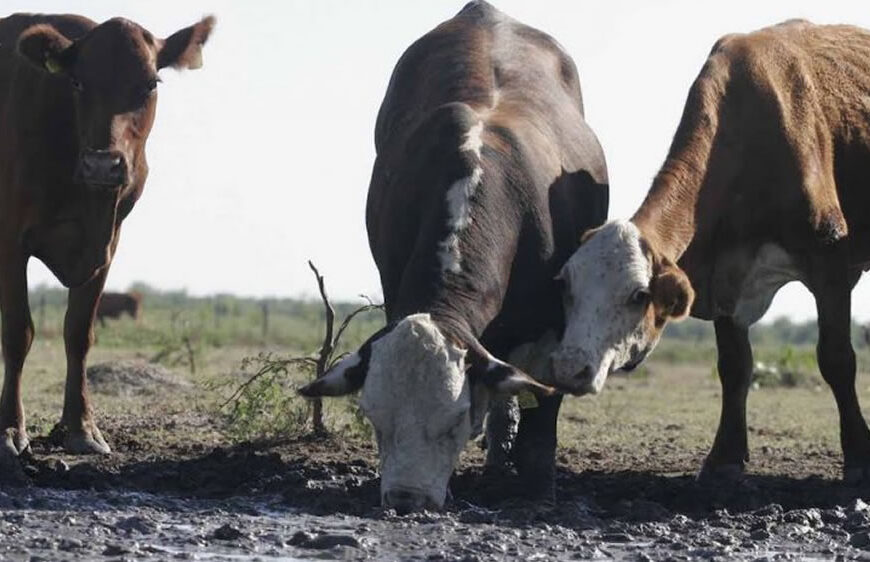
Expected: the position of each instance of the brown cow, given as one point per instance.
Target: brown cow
(765, 183)
(77, 102)
(114, 305)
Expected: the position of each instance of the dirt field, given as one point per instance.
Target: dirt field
(177, 487)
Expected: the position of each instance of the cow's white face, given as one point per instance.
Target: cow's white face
(616, 303)
(425, 396)
(418, 400)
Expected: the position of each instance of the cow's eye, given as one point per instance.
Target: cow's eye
(146, 90)
(76, 83)
(641, 297)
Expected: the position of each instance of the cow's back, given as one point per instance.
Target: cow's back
(483, 94)
(778, 126)
(497, 66)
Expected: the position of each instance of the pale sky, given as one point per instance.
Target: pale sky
(261, 159)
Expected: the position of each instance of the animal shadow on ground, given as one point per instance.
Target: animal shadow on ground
(325, 477)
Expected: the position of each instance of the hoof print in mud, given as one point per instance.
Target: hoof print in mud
(229, 532)
(304, 539)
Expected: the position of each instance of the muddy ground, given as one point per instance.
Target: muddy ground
(626, 490)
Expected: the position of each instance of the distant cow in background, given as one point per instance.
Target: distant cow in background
(77, 102)
(114, 305)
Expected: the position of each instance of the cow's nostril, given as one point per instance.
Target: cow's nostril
(586, 373)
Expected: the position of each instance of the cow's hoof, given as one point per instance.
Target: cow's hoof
(721, 473)
(856, 475)
(86, 442)
(13, 444)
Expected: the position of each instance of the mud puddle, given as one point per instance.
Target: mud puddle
(317, 500)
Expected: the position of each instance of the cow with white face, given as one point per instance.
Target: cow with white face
(765, 183)
(486, 177)
(426, 396)
(618, 296)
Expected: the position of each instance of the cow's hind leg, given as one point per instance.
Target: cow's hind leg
(78, 427)
(730, 449)
(837, 363)
(17, 335)
(534, 452)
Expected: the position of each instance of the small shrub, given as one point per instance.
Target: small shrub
(257, 405)
(266, 406)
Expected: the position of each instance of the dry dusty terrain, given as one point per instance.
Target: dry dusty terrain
(177, 487)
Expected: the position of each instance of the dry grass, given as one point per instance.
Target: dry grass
(662, 420)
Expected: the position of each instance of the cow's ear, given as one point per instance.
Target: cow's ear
(183, 49)
(46, 48)
(672, 293)
(345, 377)
(497, 376)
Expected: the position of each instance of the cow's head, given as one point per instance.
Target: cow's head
(111, 75)
(618, 296)
(426, 395)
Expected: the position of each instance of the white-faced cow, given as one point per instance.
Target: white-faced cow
(765, 183)
(485, 179)
(77, 102)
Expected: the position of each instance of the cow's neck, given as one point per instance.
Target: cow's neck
(462, 313)
(691, 189)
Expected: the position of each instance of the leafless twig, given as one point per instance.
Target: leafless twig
(325, 350)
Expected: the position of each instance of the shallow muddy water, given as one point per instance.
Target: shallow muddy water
(263, 504)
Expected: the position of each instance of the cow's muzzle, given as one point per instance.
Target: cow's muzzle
(407, 501)
(102, 168)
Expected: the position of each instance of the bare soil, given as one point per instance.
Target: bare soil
(177, 488)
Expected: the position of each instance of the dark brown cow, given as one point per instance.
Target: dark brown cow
(114, 305)
(486, 176)
(77, 102)
(766, 182)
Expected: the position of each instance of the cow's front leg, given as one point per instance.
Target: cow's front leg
(534, 452)
(730, 449)
(17, 336)
(501, 430)
(81, 435)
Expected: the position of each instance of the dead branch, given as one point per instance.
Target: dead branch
(347, 321)
(325, 350)
(328, 343)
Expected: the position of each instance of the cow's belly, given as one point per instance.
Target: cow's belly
(771, 268)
